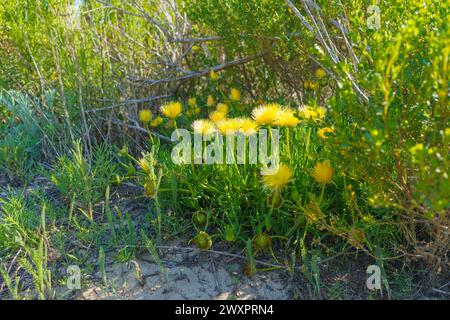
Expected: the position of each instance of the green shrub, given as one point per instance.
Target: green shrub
(19, 137)
(84, 180)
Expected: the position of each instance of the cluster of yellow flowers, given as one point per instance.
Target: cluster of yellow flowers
(279, 178)
(146, 117)
(275, 114)
(311, 84)
(312, 113)
(267, 114)
(225, 126)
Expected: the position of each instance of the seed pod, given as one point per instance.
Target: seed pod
(203, 240)
(200, 218)
(261, 242)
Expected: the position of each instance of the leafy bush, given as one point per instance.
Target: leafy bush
(84, 180)
(19, 137)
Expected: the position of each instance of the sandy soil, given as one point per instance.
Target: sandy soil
(190, 276)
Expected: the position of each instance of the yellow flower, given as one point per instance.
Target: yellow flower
(306, 84)
(192, 102)
(323, 172)
(235, 94)
(229, 126)
(286, 118)
(248, 126)
(417, 148)
(313, 85)
(217, 116)
(278, 178)
(145, 165)
(203, 126)
(308, 112)
(320, 73)
(266, 114)
(322, 132)
(447, 132)
(222, 107)
(213, 75)
(321, 111)
(145, 115)
(172, 109)
(374, 133)
(156, 122)
(210, 101)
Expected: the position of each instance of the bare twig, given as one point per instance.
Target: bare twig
(130, 101)
(320, 32)
(203, 72)
(138, 128)
(223, 254)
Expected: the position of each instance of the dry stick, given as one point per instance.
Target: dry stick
(196, 40)
(80, 97)
(158, 25)
(61, 89)
(38, 71)
(223, 254)
(138, 128)
(321, 39)
(242, 257)
(203, 72)
(130, 101)
(349, 46)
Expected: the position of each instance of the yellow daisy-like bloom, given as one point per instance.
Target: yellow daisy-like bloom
(192, 102)
(277, 179)
(213, 75)
(248, 126)
(320, 73)
(322, 132)
(235, 94)
(323, 172)
(145, 115)
(217, 116)
(203, 126)
(229, 126)
(286, 118)
(222, 107)
(156, 122)
(172, 109)
(266, 114)
(210, 101)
